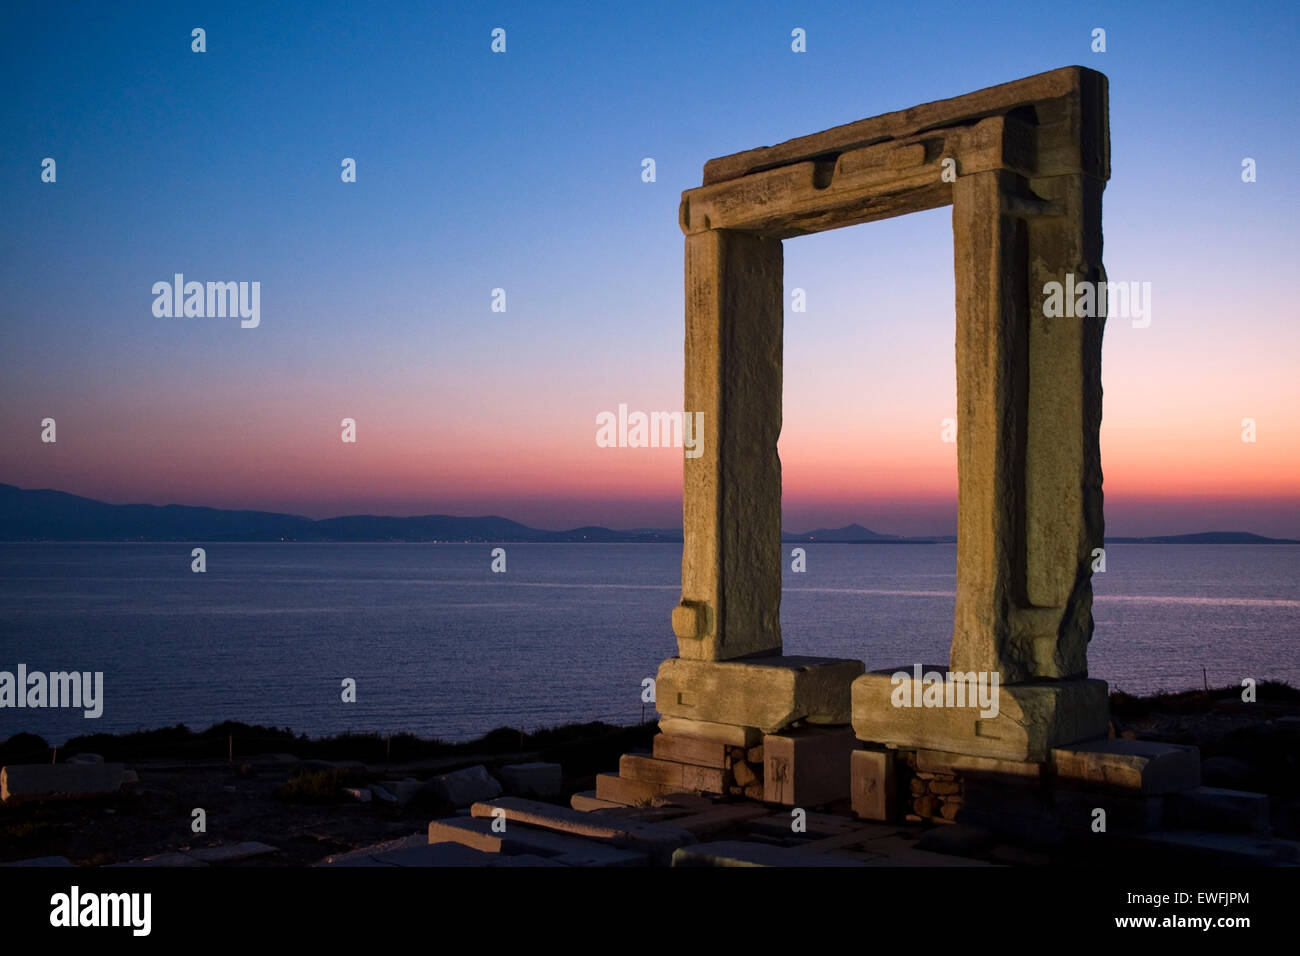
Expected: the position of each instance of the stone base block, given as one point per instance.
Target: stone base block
(689, 750)
(1022, 722)
(1137, 765)
(769, 693)
(872, 784)
(679, 777)
(990, 769)
(629, 793)
(807, 767)
(34, 781)
(730, 734)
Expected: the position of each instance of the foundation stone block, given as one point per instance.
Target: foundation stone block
(769, 693)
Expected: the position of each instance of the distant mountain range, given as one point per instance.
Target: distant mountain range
(31, 515)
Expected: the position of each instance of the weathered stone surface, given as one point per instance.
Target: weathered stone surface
(464, 787)
(34, 781)
(986, 768)
(765, 692)
(655, 838)
(1031, 159)
(1031, 719)
(1213, 808)
(807, 767)
(692, 750)
(622, 790)
(729, 734)
(542, 780)
(670, 774)
(1076, 83)
(872, 785)
(731, 500)
(1129, 765)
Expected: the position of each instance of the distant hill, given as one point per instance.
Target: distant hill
(57, 516)
(1206, 537)
(31, 515)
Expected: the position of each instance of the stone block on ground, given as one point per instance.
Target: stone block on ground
(1137, 765)
(465, 787)
(873, 787)
(1030, 719)
(769, 693)
(808, 767)
(542, 780)
(35, 781)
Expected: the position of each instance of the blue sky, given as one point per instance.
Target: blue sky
(478, 170)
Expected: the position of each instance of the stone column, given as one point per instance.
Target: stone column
(989, 246)
(1029, 414)
(731, 557)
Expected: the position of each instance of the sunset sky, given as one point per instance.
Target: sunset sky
(522, 171)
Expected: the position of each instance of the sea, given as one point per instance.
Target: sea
(440, 645)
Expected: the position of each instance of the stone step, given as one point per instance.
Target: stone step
(1135, 765)
(729, 734)
(691, 750)
(478, 833)
(628, 793)
(670, 773)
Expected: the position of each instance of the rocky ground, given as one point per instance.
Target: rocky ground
(259, 785)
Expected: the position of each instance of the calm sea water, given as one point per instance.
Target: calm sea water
(439, 645)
